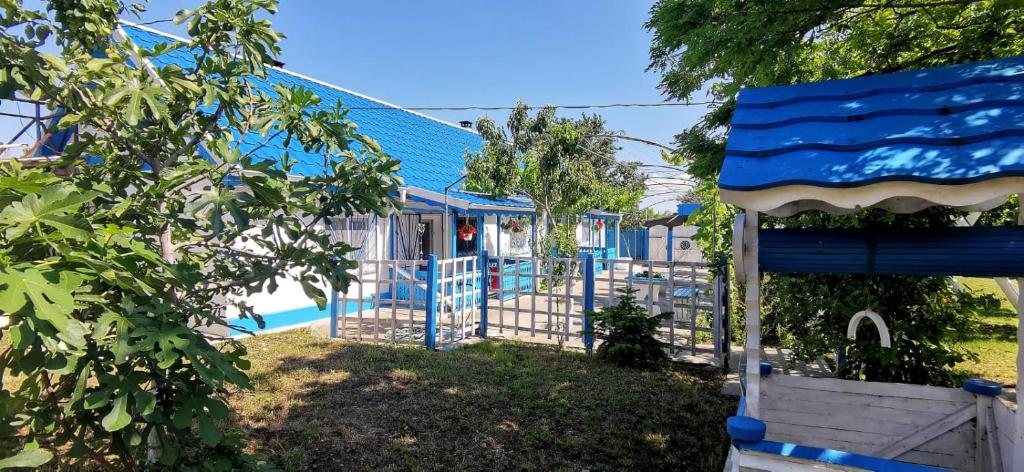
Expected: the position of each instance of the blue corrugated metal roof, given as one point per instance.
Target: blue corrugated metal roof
(950, 126)
(481, 199)
(431, 151)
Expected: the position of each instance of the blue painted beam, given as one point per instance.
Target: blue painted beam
(969, 251)
(588, 302)
(509, 212)
(430, 324)
(392, 221)
(831, 456)
(453, 235)
(485, 284)
(668, 244)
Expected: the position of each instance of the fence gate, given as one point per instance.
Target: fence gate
(459, 296)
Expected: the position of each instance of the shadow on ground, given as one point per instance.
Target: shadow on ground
(327, 405)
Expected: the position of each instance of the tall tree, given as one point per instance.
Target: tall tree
(565, 166)
(718, 47)
(113, 256)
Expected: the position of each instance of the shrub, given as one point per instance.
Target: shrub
(628, 332)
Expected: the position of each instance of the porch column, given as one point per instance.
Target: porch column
(668, 242)
(391, 236)
(753, 302)
(533, 232)
(481, 246)
(451, 235)
(616, 234)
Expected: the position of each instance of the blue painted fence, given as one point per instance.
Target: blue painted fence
(635, 243)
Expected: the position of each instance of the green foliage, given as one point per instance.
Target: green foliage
(628, 332)
(717, 47)
(565, 166)
(636, 218)
(563, 240)
(1006, 214)
(720, 46)
(116, 254)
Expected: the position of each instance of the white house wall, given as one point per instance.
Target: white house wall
(490, 231)
(289, 294)
(659, 252)
(518, 246)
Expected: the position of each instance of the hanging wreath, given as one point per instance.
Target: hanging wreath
(598, 225)
(466, 232)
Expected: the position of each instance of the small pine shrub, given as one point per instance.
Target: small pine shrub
(628, 333)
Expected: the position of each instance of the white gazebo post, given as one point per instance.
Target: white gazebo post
(752, 278)
(1018, 436)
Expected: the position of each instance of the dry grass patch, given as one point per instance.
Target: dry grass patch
(330, 405)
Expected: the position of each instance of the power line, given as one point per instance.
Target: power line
(564, 107)
(639, 140)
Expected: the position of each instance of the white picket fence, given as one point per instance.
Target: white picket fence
(534, 299)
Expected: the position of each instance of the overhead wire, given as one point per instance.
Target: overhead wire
(564, 107)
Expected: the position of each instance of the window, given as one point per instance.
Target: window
(359, 232)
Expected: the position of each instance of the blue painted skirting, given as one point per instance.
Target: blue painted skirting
(831, 456)
(287, 318)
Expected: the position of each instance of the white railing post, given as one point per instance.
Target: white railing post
(753, 302)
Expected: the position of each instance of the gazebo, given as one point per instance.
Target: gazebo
(903, 142)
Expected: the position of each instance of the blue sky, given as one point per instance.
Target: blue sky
(461, 53)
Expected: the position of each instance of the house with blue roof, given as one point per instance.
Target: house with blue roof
(439, 217)
(431, 152)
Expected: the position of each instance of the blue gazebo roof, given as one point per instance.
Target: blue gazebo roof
(903, 141)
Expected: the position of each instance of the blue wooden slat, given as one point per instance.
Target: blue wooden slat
(972, 97)
(485, 284)
(430, 324)
(966, 127)
(588, 301)
(938, 251)
(997, 70)
(905, 162)
(831, 456)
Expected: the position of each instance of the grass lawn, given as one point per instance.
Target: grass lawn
(329, 405)
(995, 343)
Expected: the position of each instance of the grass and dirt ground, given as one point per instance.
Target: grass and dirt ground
(329, 405)
(995, 340)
